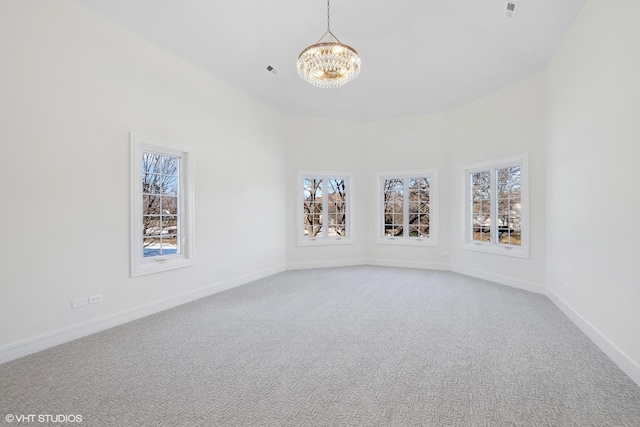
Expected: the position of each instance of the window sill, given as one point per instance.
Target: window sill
(159, 264)
(404, 241)
(491, 248)
(326, 241)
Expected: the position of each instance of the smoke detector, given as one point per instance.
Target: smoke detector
(511, 9)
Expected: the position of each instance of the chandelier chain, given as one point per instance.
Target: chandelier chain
(328, 18)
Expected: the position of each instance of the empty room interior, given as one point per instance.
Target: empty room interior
(201, 228)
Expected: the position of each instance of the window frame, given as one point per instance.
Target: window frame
(493, 246)
(325, 239)
(141, 265)
(381, 238)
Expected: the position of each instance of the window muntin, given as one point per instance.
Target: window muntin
(496, 206)
(481, 204)
(161, 206)
(160, 202)
(419, 215)
(407, 203)
(325, 209)
(393, 207)
(337, 207)
(313, 206)
(509, 216)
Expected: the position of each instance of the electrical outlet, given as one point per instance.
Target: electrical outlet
(95, 298)
(79, 302)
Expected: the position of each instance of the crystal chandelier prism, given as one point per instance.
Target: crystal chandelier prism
(329, 63)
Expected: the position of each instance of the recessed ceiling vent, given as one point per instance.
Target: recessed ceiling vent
(272, 70)
(511, 9)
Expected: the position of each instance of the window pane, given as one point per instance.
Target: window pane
(153, 163)
(150, 162)
(169, 184)
(160, 202)
(418, 207)
(151, 247)
(424, 225)
(393, 192)
(169, 225)
(150, 205)
(159, 174)
(480, 183)
(169, 245)
(312, 204)
(393, 230)
(151, 183)
(336, 226)
(508, 181)
(337, 197)
(169, 205)
(151, 225)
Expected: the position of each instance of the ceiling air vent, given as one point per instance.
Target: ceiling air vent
(272, 70)
(511, 9)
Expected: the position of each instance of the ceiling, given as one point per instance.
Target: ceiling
(418, 56)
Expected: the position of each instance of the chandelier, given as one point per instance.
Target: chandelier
(329, 63)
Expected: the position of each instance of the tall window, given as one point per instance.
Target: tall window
(324, 209)
(161, 224)
(407, 208)
(496, 206)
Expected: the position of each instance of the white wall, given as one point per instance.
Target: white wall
(364, 149)
(412, 143)
(592, 150)
(508, 122)
(325, 145)
(73, 86)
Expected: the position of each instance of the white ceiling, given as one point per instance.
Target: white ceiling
(418, 56)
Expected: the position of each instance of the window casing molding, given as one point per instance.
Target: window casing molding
(175, 222)
(315, 217)
(425, 234)
(502, 219)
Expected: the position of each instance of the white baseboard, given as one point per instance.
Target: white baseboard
(503, 280)
(624, 362)
(408, 264)
(325, 264)
(60, 336)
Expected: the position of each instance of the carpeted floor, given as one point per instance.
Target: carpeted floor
(354, 346)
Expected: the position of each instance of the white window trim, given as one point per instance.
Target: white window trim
(521, 251)
(141, 265)
(432, 240)
(325, 240)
